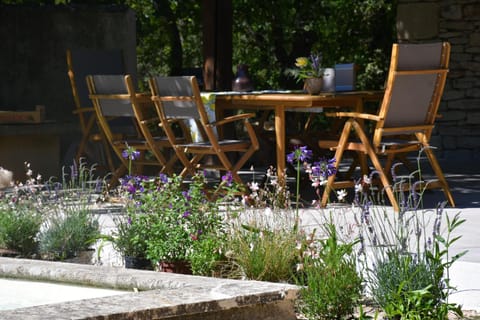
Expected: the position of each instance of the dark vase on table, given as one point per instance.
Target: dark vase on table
(242, 80)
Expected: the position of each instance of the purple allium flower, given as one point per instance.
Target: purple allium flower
(130, 154)
(291, 157)
(135, 155)
(301, 154)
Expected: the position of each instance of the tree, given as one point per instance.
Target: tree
(267, 35)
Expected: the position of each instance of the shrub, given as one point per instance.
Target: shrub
(263, 245)
(19, 227)
(407, 270)
(68, 233)
(331, 284)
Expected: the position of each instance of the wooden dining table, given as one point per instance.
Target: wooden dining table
(282, 102)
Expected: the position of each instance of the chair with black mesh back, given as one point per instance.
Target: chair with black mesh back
(128, 118)
(80, 63)
(178, 98)
(405, 120)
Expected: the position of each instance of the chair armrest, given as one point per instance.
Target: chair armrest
(151, 120)
(358, 115)
(229, 119)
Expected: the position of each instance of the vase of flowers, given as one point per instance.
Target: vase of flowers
(313, 85)
(310, 71)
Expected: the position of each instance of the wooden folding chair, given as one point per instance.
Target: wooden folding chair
(179, 98)
(128, 118)
(406, 117)
(80, 63)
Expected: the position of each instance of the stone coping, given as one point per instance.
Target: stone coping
(160, 295)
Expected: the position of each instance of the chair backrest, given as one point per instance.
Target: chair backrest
(113, 95)
(414, 88)
(83, 62)
(180, 97)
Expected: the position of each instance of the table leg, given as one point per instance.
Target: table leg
(280, 139)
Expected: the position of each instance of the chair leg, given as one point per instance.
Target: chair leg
(338, 158)
(85, 138)
(438, 171)
(378, 166)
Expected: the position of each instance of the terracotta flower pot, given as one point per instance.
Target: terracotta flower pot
(313, 85)
(175, 267)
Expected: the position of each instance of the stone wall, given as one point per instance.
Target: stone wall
(33, 72)
(458, 22)
(35, 39)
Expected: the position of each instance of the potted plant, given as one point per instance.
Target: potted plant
(165, 219)
(69, 233)
(310, 70)
(179, 218)
(129, 239)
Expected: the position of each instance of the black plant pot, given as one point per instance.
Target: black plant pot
(138, 263)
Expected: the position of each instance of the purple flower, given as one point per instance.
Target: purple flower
(228, 178)
(130, 154)
(163, 178)
(299, 154)
(186, 214)
(186, 195)
(324, 168)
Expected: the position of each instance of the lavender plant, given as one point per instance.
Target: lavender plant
(406, 266)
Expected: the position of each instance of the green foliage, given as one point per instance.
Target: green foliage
(166, 219)
(331, 284)
(19, 227)
(67, 233)
(207, 257)
(130, 235)
(267, 36)
(410, 279)
(263, 245)
(360, 31)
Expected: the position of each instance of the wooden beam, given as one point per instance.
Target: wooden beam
(217, 44)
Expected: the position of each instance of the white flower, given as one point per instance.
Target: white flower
(341, 194)
(366, 179)
(254, 186)
(358, 188)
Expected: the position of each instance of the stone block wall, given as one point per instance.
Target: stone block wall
(34, 41)
(33, 70)
(458, 22)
